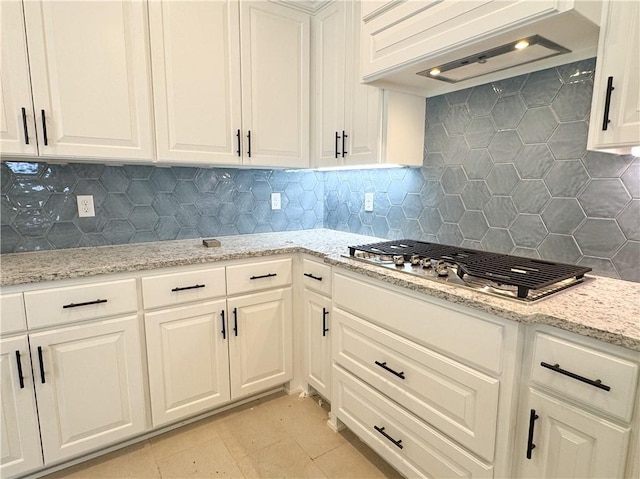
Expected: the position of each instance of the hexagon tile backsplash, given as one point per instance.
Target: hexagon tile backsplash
(505, 169)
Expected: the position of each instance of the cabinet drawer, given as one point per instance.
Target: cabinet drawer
(12, 313)
(79, 303)
(459, 401)
(245, 278)
(424, 452)
(568, 365)
(177, 288)
(316, 276)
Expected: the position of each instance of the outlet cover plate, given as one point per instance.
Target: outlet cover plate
(368, 201)
(85, 206)
(276, 201)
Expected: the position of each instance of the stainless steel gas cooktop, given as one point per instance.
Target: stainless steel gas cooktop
(506, 276)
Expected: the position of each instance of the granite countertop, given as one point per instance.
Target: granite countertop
(601, 308)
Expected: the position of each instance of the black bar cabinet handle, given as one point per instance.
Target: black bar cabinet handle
(310, 275)
(224, 329)
(44, 128)
(24, 126)
(235, 321)
(397, 443)
(184, 288)
(270, 275)
(607, 104)
(344, 137)
(597, 383)
(530, 445)
(325, 330)
(20, 376)
(387, 368)
(41, 362)
(249, 138)
(336, 149)
(88, 303)
(238, 137)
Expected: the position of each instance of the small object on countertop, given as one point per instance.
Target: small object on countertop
(415, 260)
(211, 242)
(425, 263)
(398, 260)
(441, 268)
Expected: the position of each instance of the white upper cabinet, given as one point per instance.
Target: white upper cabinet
(17, 130)
(615, 109)
(275, 43)
(195, 47)
(90, 78)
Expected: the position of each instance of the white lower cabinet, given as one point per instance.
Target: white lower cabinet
(188, 360)
(20, 444)
(89, 386)
(317, 318)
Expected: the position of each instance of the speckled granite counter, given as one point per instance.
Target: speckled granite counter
(601, 308)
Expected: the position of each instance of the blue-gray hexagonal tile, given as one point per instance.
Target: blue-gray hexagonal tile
(144, 236)
(61, 207)
(569, 140)
(396, 193)
(525, 252)
(457, 120)
(9, 210)
(450, 234)
(10, 239)
(437, 108)
(245, 180)
(505, 146)
(563, 215)
(508, 112)
(32, 222)
(482, 100)
(380, 226)
(354, 223)
(530, 196)
(395, 217)
(117, 205)
(59, 178)
(475, 195)
(605, 165)
(456, 150)
(471, 244)
(309, 181)
(477, 164)
(561, 248)
(294, 212)
(381, 204)
(509, 86)
(500, 211)
(381, 180)
(186, 192)
(64, 235)
(412, 181)
(208, 226)
(6, 178)
(528, 231)
(534, 161)
(497, 240)
(91, 187)
(600, 266)
(573, 101)
(89, 240)
(502, 179)
(88, 171)
(29, 193)
(576, 72)
(537, 125)
(566, 178)
(412, 206)
(185, 172)
(246, 224)
(261, 191)
(629, 220)
(226, 190)
(480, 132)
(430, 220)
(94, 224)
(187, 217)
(114, 179)
(541, 87)
(453, 180)
(458, 97)
(143, 217)
(227, 213)
(294, 191)
(118, 231)
(138, 172)
(604, 198)
(434, 165)
(261, 211)
(431, 194)
(165, 204)
(206, 180)
(626, 261)
(599, 237)
(140, 192)
(451, 208)
(631, 179)
(436, 139)
(166, 228)
(33, 244)
(473, 225)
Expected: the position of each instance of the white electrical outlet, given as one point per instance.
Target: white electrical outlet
(276, 203)
(368, 201)
(85, 206)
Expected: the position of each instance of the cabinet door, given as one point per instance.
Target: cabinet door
(317, 317)
(90, 78)
(20, 444)
(618, 59)
(275, 84)
(195, 48)
(260, 341)
(17, 131)
(570, 442)
(188, 360)
(89, 386)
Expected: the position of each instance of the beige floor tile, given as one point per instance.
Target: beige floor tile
(184, 438)
(284, 459)
(347, 461)
(208, 459)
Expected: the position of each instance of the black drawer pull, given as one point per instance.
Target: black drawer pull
(595, 383)
(249, 141)
(224, 329)
(336, 150)
(532, 420)
(397, 443)
(344, 137)
(387, 368)
(88, 303)
(20, 376)
(325, 330)
(44, 129)
(238, 138)
(184, 288)
(607, 104)
(24, 126)
(235, 321)
(309, 275)
(270, 275)
(41, 362)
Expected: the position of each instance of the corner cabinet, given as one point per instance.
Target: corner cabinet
(615, 109)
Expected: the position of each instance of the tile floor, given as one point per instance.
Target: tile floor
(277, 436)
